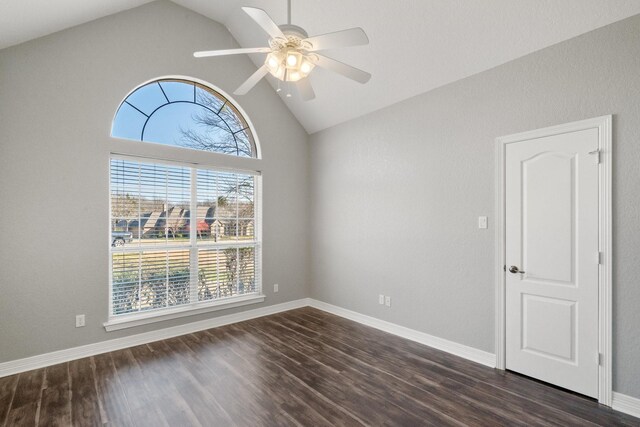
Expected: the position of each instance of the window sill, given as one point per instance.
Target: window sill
(138, 319)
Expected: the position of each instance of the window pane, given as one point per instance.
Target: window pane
(246, 271)
(149, 204)
(125, 203)
(153, 280)
(209, 262)
(184, 114)
(227, 212)
(147, 280)
(178, 202)
(209, 100)
(178, 91)
(233, 118)
(174, 124)
(226, 272)
(178, 277)
(225, 206)
(147, 98)
(246, 212)
(153, 204)
(128, 122)
(207, 188)
(211, 134)
(125, 282)
(245, 143)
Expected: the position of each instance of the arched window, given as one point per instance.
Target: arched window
(184, 238)
(184, 114)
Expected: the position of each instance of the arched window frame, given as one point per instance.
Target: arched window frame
(215, 91)
(152, 152)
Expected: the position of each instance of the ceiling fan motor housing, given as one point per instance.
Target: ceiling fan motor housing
(294, 31)
(294, 34)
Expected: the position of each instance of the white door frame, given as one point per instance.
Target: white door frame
(605, 314)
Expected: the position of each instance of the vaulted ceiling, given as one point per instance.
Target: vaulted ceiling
(415, 45)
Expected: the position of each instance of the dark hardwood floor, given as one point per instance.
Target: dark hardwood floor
(300, 368)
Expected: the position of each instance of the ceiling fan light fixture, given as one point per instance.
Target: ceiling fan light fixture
(288, 65)
(293, 60)
(306, 67)
(273, 62)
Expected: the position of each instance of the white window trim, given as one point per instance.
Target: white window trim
(158, 153)
(131, 320)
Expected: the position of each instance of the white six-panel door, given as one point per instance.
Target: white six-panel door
(551, 254)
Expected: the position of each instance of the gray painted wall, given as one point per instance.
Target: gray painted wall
(396, 194)
(58, 95)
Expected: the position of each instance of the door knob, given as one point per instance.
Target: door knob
(513, 269)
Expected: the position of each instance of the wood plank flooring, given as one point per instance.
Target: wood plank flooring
(300, 368)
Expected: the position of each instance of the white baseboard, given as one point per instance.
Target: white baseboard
(466, 352)
(61, 356)
(55, 357)
(621, 402)
(627, 404)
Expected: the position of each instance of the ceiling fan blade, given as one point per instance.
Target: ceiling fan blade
(223, 52)
(341, 68)
(344, 38)
(251, 81)
(305, 90)
(265, 21)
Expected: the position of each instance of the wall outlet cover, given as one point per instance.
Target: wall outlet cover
(80, 321)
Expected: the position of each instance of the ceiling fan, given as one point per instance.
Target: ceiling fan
(292, 54)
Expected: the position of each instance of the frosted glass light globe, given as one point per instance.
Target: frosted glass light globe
(292, 60)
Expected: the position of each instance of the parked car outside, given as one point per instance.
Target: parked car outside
(119, 238)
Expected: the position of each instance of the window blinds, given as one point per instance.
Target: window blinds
(180, 235)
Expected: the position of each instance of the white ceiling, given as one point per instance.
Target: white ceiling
(415, 45)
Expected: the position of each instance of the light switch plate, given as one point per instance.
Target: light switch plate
(482, 222)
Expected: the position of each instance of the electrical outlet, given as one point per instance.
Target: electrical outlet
(387, 301)
(275, 288)
(381, 299)
(482, 222)
(80, 321)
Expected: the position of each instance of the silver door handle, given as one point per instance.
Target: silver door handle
(513, 269)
